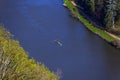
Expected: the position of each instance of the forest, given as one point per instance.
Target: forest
(106, 12)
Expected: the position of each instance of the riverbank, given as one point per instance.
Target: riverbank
(102, 33)
(15, 63)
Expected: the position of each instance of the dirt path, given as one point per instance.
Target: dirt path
(112, 35)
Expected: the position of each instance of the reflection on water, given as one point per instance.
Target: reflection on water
(38, 23)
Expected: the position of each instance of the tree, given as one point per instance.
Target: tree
(111, 6)
(118, 13)
(88, 5)
(15, 63)
(92, 5)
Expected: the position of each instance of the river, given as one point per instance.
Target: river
(38, 23)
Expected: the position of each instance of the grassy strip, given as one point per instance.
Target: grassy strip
(92, 28)
(15, 64)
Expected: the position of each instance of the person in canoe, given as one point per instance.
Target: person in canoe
(58, 42)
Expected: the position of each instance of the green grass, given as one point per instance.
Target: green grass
(15, 63)
(92, 28)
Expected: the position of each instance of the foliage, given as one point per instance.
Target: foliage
(107, 12)
(92, 28)
(15, 64)
(110, 13)
(118, 14)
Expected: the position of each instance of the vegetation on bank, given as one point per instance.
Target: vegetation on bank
(92, 28)
(15, 64)
(106, 12)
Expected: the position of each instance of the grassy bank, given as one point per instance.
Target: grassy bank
(15, 64)
(92, 28)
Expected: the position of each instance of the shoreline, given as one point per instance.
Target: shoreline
(108, 37)
(15, 61)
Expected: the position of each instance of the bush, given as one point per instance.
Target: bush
(14, 62)
(115, 30)
(116, 43)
